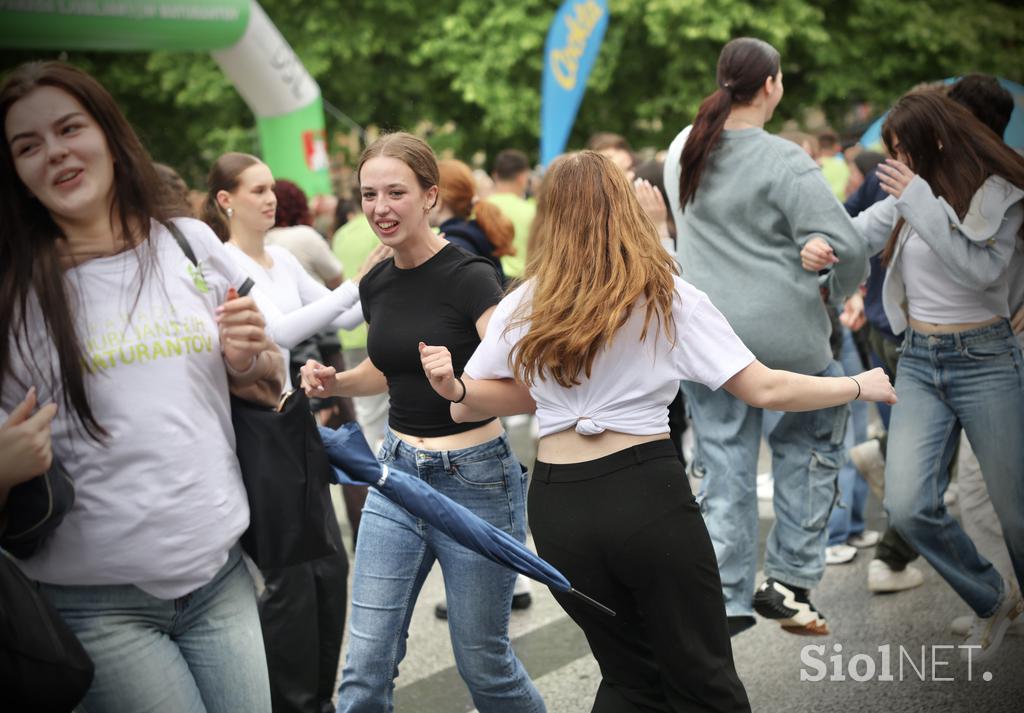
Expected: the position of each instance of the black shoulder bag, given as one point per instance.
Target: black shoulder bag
(286, 473)
(43, 667)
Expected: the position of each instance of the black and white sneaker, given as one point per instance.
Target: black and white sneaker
(791, 607)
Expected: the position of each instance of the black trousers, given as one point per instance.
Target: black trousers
(302, 613)
(625, 529)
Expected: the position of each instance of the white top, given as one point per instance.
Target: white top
(161, 501)
(309, 248)
(931, 295)
(288, 287)
(632, 382)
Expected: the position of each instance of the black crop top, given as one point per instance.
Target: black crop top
(439, 303)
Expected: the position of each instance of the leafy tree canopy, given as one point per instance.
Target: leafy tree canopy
(467, 72)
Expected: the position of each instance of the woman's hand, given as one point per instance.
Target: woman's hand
(437, 365)
(894, 176)
(1017, 321)
(852, 316)
(817, 255)
(317, 379)
(875, 386)
(378, 254)
(652, 202)
(25, 442)
(242, 331)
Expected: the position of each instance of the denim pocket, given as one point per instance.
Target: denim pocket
(989, 351)
(830, 424)
(490, 473)
(821, 489)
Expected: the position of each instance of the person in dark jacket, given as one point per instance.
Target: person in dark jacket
(476, 226)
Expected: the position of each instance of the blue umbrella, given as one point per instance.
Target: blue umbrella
(1013, 136)
(355, 464)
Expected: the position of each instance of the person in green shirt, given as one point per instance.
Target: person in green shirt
(833, 164)
(511, 174)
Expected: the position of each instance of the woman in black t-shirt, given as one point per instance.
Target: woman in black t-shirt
(435, 293)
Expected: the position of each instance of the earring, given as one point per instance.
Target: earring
(230, 212)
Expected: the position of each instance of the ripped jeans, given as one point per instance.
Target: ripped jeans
(807, 451)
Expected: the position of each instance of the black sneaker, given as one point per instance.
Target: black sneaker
(522, 601)
(519, 601)
(791, 607)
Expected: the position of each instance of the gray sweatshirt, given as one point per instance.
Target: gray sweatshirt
(760, 199)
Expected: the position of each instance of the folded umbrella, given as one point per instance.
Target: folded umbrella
(355, 464)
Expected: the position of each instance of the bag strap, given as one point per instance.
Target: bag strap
(179, 237)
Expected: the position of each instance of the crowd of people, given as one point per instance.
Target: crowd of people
(725, 288)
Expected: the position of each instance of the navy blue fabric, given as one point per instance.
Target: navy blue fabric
(355, 463)
(869, 193)
(469, 236)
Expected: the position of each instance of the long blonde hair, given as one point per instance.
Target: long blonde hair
(593, 254)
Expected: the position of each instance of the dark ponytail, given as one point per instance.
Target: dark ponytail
(743, 66)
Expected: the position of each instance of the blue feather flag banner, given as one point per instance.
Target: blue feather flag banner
(569, 54)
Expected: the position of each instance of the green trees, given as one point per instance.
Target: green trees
(468, 71)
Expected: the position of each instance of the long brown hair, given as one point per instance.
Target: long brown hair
(594, 253)
(223, 176)
(743, 66)
(458, 191)
(28, 234)
(920, 123)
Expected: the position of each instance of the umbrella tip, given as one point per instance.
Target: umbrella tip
(591, 602)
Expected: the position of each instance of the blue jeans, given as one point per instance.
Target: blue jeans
(807, 451)
(972, 381)
(394, 554)
(201, 653)
(847, 518)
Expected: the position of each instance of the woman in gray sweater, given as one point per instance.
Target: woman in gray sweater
(748, 203)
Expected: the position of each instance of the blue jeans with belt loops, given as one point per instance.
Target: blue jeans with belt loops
(971, 381)
(807, 451)
(396, 551)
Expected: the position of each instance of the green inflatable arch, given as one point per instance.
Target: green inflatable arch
(242, 39)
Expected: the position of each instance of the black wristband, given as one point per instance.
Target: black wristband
(463, 397)
(848, 377)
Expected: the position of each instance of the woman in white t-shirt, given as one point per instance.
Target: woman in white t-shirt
(240, 207)
(309, 597)
(105, 316)
(598, 338)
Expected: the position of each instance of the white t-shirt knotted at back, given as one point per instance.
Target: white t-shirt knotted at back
(632, 381)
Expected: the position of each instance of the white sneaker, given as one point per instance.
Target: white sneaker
(868, 460)
(949, 498)
(882, 578)
(987, 634)
(865, 539)
(840, 554)
(962, 624)
(765, 486)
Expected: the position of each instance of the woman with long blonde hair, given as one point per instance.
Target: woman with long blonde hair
(597, 339)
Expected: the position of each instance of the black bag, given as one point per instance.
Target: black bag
(34, 510)
(285, 470)
(287, 478)
(43, 667)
